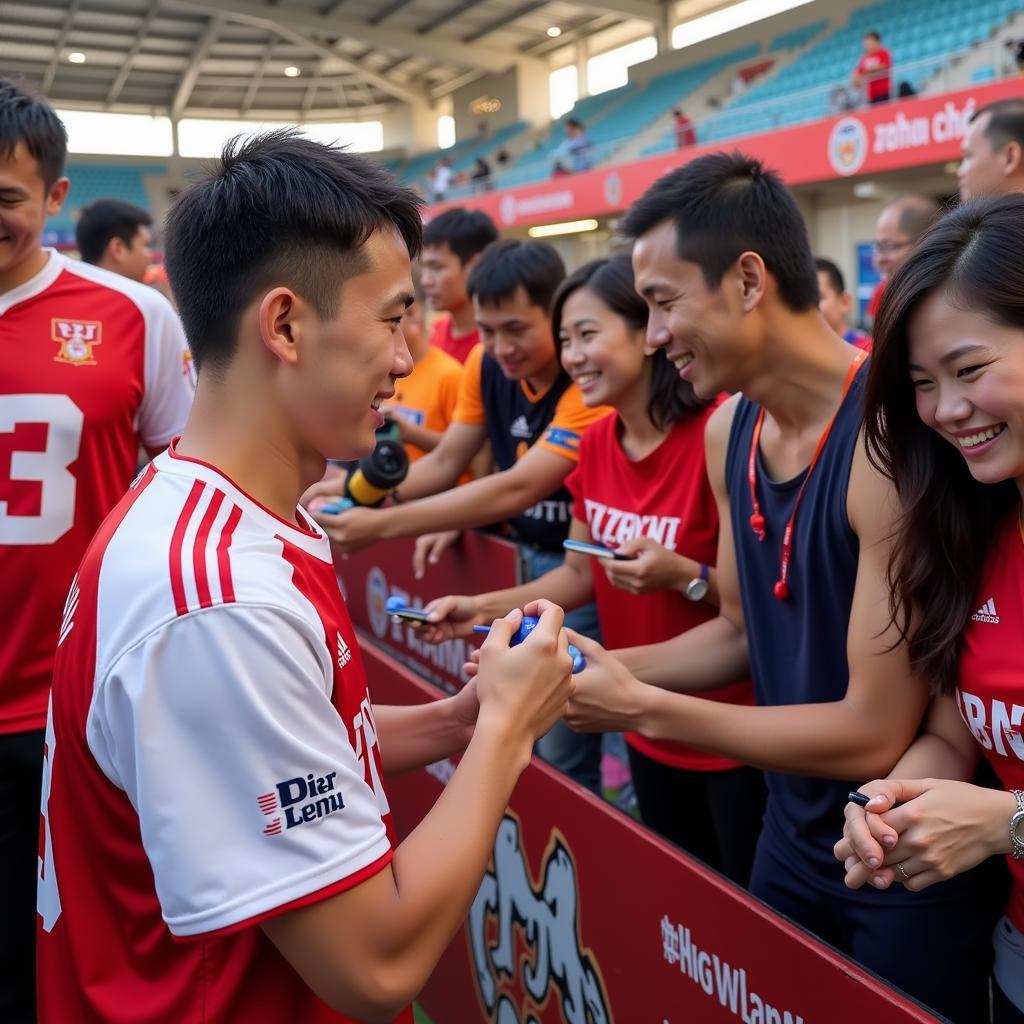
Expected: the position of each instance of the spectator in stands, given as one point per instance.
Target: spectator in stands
(723, 258)
(993, 151)
(481, 174)
(835, 302)
(899, 227)
(577, 146)
(515, 394)
(685, 133)
(641, 486)
(452, 244)
(559, 170)
(873, 74)
(441, 179)
(117, 236)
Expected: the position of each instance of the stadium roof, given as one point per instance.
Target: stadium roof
(284, 59)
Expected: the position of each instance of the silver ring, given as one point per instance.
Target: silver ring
(903, 872)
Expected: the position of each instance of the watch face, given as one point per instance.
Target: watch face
(697, 590)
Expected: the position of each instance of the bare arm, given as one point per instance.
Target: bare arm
(368, 950)
(422, 437)
(861, 736)
(714, 653)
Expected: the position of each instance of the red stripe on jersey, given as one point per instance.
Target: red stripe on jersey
(199, 549)
(178, 543)
(227, 588)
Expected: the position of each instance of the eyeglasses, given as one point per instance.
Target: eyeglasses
(886, 247)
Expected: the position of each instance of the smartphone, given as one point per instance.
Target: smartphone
(596, 550)
(396, 609)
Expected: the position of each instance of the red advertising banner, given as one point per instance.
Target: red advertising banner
(912, 133)
(584, 917)
(478, 563)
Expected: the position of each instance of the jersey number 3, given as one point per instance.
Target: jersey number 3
(39, 438)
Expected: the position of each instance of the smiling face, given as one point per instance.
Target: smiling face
(704, 331)
(25, 203)
(517, 334)
(345, 367)
(602, 352)
(968, 376)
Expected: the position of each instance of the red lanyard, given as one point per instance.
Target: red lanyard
(757, 521)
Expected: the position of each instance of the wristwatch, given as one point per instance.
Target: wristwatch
(697, 589)
(1017, 827)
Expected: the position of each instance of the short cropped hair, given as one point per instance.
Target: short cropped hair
(509, 264)
(1006, 121)
(465, 232)
(104, 220)
(832, 273)
(28, 118)
(277, 208)
(725, 204)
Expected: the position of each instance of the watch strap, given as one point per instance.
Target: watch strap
(1017, 826)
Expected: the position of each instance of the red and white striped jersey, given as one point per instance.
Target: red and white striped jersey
(91, 366)
(211, 760)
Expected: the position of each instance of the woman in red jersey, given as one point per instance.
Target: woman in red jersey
(641, 488)
(945, 419)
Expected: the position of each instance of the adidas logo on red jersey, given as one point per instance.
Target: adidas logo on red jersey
(987, 613)
(344, 654)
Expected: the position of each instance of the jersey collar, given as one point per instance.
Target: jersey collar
(34, 285)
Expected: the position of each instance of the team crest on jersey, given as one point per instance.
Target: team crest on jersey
(77, 339)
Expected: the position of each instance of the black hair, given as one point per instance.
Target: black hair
(832, 273)
(572, 122)
(872, 34)
(508, 264)
(277, 208)
(722, 205)
(104, 220)
(1006, 121)
(28, 118)
(465, 232)
(611, 280)
(948, 519)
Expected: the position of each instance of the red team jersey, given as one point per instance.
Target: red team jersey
(93, 365)
(991, 692)
(667, 497)
(211, 761)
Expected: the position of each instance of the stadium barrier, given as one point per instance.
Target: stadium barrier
(584, 916)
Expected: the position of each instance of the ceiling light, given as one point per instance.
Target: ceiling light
(554, 31)
(565, 227)
(76, 57)
(292, 71)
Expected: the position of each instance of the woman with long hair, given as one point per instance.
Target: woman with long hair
(641, 489)
(945, 420)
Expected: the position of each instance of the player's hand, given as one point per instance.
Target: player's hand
(351, 530)
(524, 690)
(608, 696)
(429, 548)
(654, 567)
(330, 488)
(465, 708)
(867, 838)
(450, 617)
(398, 422)
(944, 828)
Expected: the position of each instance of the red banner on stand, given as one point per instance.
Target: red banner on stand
(479, 562)
(888, 137)
(585, 917)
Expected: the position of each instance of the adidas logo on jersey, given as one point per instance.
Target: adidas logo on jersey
(987, 613)
(302, 800)
(70, 607)
(344, 654)
(520, 428)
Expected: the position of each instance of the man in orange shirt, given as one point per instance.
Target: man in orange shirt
(452, 243)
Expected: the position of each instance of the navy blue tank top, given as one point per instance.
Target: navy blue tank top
(798, 646)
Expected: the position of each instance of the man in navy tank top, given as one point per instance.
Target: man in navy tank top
(722, 256)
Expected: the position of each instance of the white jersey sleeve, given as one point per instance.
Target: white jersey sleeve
(220, 729)
(169, 375)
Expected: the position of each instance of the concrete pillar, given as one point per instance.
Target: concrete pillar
(582, 53)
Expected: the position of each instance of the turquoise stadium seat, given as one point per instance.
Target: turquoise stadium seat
(103, 181)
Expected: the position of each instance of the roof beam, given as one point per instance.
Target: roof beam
(506, 19)
(392, 8)
(448, 15)
(257, 80)
(126, 68)
(58, 49)
(188, 80)
(645, 10)
(305, 19)
(455, 83)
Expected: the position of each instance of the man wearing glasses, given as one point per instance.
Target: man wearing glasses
(899, 227)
